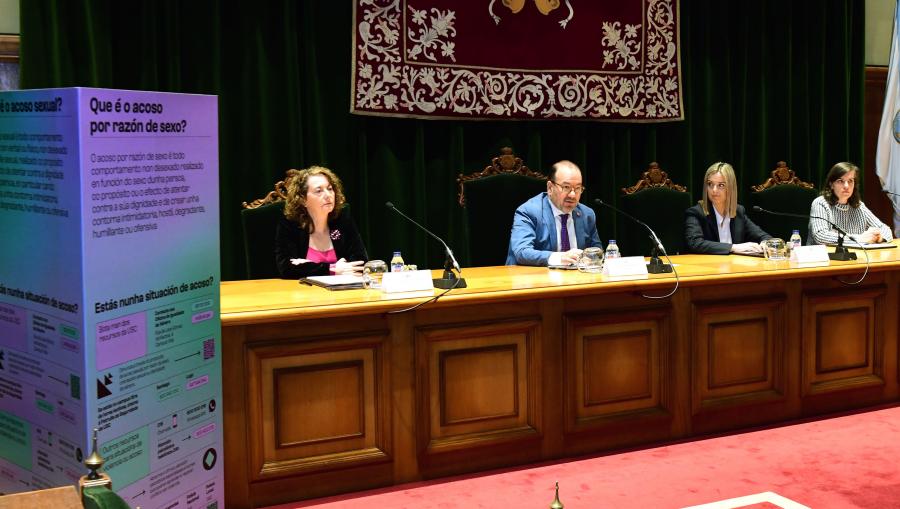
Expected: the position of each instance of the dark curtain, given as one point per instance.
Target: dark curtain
(763, 81)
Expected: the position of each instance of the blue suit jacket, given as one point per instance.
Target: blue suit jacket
(533, 236)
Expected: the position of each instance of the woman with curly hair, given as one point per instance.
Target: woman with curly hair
(314, 238)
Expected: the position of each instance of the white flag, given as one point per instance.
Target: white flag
(887, 157)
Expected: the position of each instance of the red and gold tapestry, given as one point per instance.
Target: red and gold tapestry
(517, 59)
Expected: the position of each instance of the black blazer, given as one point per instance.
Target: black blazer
(293, 242)
(701, 234)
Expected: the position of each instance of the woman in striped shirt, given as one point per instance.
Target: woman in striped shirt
(841, 205)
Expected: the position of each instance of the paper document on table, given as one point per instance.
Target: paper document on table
(342, 282)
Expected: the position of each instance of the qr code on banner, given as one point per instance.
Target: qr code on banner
(209, 348)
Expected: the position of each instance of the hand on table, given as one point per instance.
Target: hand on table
(570, 257)
(747, 248)
(343, 267)
(870, 236)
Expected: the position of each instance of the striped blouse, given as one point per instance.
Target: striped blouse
(851, 220)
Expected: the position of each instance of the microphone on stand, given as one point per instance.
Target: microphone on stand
(841, 253)
(656, 265)
(448, 280)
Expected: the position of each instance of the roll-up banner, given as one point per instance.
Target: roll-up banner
(109, 293)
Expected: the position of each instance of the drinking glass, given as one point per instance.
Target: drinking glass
(373, 271)
(591, 260)
(775, 249)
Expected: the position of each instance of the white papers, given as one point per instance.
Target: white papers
(625, 266)
(407, 281)
(809, 254)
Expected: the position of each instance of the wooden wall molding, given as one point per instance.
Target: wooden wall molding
(875, 85)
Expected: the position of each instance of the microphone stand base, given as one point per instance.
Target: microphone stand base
(446, 284)
(448, 279)
(842, 256)
(660, 268)
(656, 265)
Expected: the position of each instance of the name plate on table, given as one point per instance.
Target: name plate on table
(625, 266)
(809, 254)
(407, 281)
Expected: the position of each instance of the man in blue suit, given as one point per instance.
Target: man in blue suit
(553, 227)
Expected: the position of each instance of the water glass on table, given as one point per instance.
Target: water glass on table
(373, 272)
(591, 260)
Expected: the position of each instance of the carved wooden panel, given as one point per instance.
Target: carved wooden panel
(738, 352)
(615, 364)
(462, 400)
(843, 343)
(317, 405)
(476, 384)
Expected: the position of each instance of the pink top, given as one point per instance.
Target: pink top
(317, 256)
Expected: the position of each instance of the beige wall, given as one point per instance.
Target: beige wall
(879, 28)
(9, 17)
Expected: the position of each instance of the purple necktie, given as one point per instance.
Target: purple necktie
(564, 233)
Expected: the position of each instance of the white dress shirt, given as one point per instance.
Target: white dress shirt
(724, 225)
(556, 258)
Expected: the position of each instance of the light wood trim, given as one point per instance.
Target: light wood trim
(9, 48)
(65, 497)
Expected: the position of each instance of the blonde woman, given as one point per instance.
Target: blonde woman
(314, 238)
(717, 224)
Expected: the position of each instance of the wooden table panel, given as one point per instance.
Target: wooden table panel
(739, 351)
(328, 392)
(843, 340)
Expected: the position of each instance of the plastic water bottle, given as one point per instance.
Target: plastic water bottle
(612, 250)
(397, 262)
(796, 241)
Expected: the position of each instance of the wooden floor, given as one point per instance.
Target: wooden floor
(327, 393)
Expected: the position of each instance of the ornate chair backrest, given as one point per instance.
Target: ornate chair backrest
(258, 221)
(490, 198)
(659, 202)
(783, 191)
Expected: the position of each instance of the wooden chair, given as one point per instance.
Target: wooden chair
(490, 198)
(258, 221)
(657, 201)
(783, 191)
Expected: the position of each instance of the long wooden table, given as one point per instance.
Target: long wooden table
(329, 392)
